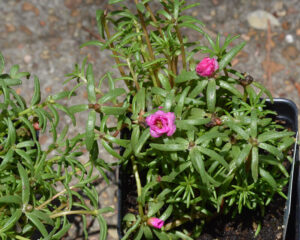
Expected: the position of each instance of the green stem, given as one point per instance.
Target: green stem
(138, 185)
(133, 75)
(94, 212)
(245, 94)
(181, 46)
(142, 21)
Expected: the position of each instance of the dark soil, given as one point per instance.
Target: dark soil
(224, 227)
(243, 226)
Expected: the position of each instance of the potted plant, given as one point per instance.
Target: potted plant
(42, 187)
(198, 138)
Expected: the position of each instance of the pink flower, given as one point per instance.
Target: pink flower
(160, 123)
(155, 222)
(207, 67)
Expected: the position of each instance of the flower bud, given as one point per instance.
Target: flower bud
(207, 67)
(155, 222)
(36, 126)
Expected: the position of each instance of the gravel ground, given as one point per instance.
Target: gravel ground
(44, 38)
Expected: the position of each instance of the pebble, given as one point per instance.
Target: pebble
(72, 4)
(30, 7)
(259, 19)
(27, 59)
(290, 52)
(10, 27)
(289, 38)
(26, 30)
(298, 32)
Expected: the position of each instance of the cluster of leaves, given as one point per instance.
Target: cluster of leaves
(227, 152)
(31, 204)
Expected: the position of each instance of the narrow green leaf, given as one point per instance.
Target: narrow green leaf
(264, 89)
(90, 84)
(2, 63)
(231, 88)
(209, 136)
(145, 191)
(253, 124)
(180, 103)
(273, 135)
(197, 161)
(198, 89)
(211, 96)
(43, 217)
(113, 2)
(271, 149)
(111, 95)
(226, 59)
(92, 43)
(36, 98)
(113, 110)
(254, 164)
(24, 156)
(238, 130)
(214, 156)
(244, 154)
(167, 213)
(185, 76)
(141, 142)
(192, 26)
(100, 18)
(11, 221)
(148, 233)
(154, 207)
(29, 125)
(11, 199)
(66, 110)
(25, 184)
(39, 225)
(268, 178)
(109, 149)
(90, 130)
(78, 108)
(169, 147)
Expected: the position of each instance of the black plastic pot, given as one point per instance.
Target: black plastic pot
(287, 112)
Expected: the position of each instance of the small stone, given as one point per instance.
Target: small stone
(286, 25)
(213, 12)
(259, 19)
(298, 32)
(72, 4)
(10, 27)
(278, 6)
(43, 23)
(245, 37)
(215, 2)
(27, 59)
(75, 13)
(289, 38)
(30, 7)
(25, 29)
(113, 233)
(45, 54)
(48, 89)
(290, 52)
(18, 91)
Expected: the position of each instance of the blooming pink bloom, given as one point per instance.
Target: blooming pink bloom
(155, 222)
(207, 67)
(160, 123)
